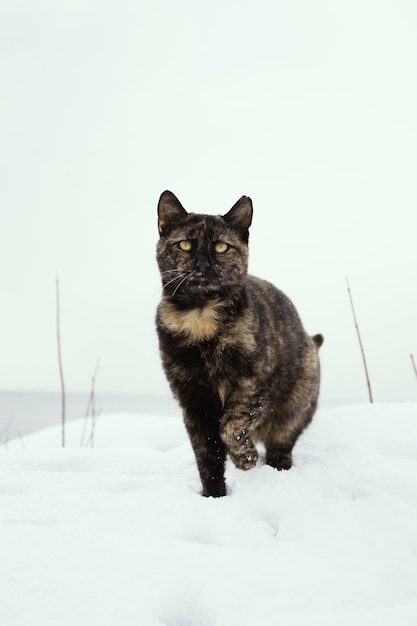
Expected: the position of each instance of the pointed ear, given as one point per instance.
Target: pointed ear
(170, 211)
(240, 215)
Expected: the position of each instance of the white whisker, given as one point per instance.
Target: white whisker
(173, 280)
(179, 285)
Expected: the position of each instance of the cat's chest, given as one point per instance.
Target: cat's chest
(192, 325)
(210, 328)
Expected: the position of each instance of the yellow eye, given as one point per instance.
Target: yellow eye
(186, 245)
(220, 247)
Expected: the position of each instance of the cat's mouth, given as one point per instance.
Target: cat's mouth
(199, 284)
(193, 285)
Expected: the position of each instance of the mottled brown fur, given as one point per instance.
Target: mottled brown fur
(233, 348)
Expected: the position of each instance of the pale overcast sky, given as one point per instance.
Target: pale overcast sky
(309, 107)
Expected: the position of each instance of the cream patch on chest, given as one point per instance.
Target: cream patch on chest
(201, 323)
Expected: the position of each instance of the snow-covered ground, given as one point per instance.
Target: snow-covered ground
(118, 535)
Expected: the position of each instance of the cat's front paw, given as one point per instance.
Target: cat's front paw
(242, 450)
(244, 460)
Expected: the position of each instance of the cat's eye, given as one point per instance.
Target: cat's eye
(185, 245)
(221, 247)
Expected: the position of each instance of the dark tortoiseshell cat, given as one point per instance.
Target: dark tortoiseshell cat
(233, 348)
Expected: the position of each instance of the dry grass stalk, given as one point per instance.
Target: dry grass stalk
(360, 341)
(4, 433)
(61, 372)
(414, 364)
(91, 408)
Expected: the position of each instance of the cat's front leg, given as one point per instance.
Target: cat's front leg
(236, 428)
(209, 451)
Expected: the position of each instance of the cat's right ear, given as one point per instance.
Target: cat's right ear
(170, 212)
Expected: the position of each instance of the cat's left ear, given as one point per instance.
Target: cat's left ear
(240, 215)
(170, 211)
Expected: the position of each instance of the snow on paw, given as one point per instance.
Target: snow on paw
(239, 444)
(244, 454)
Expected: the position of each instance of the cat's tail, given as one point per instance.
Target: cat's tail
(318, 340)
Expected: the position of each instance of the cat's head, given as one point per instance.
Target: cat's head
(202, 256)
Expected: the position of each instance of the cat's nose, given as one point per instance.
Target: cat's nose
(203, 262)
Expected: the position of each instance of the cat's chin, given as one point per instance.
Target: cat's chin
(202, 291)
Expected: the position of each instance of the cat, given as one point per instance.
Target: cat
(233, 348)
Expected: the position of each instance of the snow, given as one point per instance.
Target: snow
(119, 535)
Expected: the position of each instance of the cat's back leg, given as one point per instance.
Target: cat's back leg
(282, 432)
(279, 445)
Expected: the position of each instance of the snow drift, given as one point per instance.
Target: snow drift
(119, 535)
